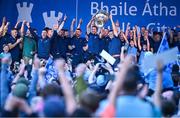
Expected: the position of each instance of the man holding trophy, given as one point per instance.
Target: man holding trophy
(98, 21)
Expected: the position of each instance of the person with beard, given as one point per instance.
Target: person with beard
(155, 43)
(93, 38)
(114, 47)
(43, 44)
(104, 39)
(77, 45)
(29, 43)
(58, 45)
(12, 40)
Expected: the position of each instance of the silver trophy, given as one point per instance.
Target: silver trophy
(100, 18)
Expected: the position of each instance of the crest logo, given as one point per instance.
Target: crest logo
(24, 11)
(52, 19)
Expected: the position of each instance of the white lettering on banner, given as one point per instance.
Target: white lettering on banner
(122, 9)
(94, 6)
(159, 10)
(172, 11)
(24, 12)
(132, 10)
(147, 9)
(156, 26)
(114, 10)
(52, 19)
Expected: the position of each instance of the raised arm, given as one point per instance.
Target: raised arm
(4, 90)
(3, 24)
(148, 45)
(66, 87)
(5, 29)
(147, 40)
(11, 46)
(34, 81)
(17, 23)
(122, 56)
(22, 28)
(72, 27)
(127, 29)
(125, 37)
(134, 37)
(88, 27)
(109, 110)
(80, 22)
(62, 23)
(120, 76)
(117, 26)
(139, 41)
(113, 26)
(92, 75)
(170, 35)
(157, 93)
(35, 36)
(20, 73)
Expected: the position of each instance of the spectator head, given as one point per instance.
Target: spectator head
(61, 33)
(121, 35)
(89, 100)
(14, 32)
(101, 80)
(131, 43)
(51, 89)
(66, 33)
(37, 104)
(168, 94)
(144, 47)
(23, 81)
(78, 32)
(143, 28)
(168, 108)
(28, 33)
(106, 31)
(5, 48)
(157, 36)
(102, 32)
(175, 74)
(111, 35)
(94, 29)
(131, 33)
(44, 34)
(146, 33)
(81, 112)
(179, 35)
(20, 90)
(49, 31)
(54, 107)
(131, 80)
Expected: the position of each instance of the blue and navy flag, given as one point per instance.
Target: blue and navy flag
(163, 47)
(51, 73)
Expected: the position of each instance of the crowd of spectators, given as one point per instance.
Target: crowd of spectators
(61, 74)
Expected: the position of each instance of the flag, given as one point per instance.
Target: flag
(163, 47)
(51, 73)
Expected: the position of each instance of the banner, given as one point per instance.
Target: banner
(156, 14)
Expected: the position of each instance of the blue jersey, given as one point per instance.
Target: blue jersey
(114, 46)
(93, 43)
